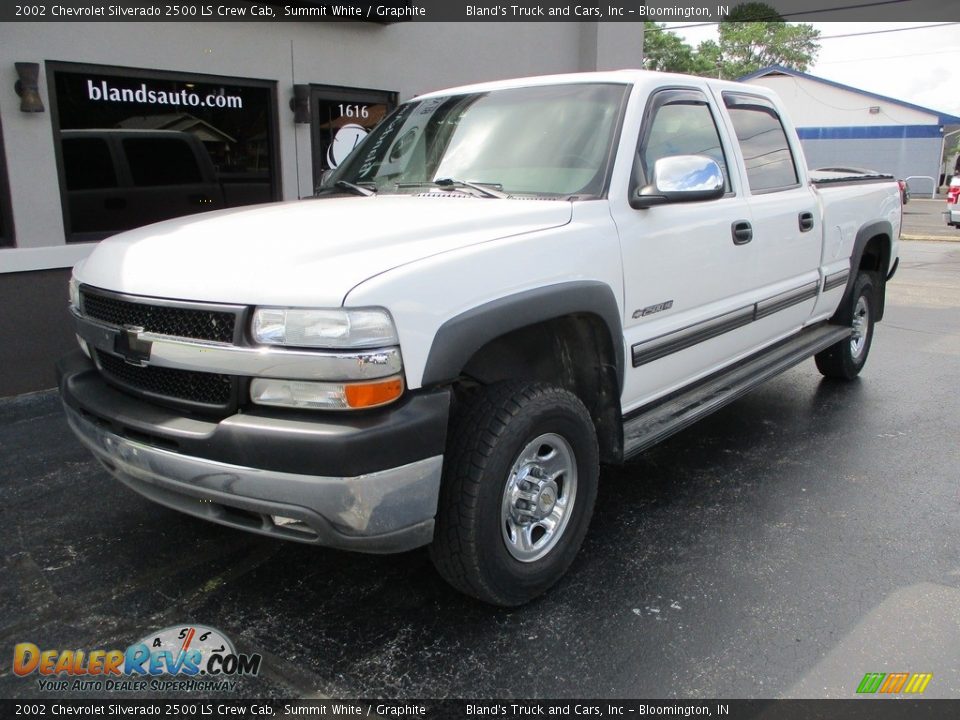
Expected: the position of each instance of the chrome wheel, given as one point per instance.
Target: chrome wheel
(538, 498)
(861, 326)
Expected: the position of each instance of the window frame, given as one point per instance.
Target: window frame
(344, 94)
(760, 100)
(54, 66)
(7, 234)
(663, 96)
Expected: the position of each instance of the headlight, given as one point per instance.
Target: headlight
(334, 328)
(325, 396)
(74, 293)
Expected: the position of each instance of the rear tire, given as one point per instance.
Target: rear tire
(845, 359)
(519, 484)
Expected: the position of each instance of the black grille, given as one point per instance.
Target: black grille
(213, 390)
(215, 325)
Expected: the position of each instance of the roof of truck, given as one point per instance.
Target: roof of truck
(625, 77)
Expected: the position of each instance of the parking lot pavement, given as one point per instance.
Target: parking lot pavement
(923, 220)
(792, 542)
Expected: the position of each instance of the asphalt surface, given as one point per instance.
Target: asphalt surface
(799, 538)
(923, 220)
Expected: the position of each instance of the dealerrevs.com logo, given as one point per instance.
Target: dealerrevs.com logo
(180, 657)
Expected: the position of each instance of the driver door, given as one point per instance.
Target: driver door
(689, 276)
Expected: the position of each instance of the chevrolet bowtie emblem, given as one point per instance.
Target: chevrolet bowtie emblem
(130, 347)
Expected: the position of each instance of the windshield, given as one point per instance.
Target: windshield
(551, 141)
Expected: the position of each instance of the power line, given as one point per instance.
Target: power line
(859, 6)
(885, 57)
(881, 32)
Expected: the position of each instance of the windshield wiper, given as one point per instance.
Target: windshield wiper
(356, 189)
(485, 189)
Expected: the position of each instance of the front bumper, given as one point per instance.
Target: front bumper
(261, 471)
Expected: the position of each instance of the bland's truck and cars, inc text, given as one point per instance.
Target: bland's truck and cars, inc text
(503, 286)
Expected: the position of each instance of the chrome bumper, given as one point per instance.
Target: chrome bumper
(387, 511)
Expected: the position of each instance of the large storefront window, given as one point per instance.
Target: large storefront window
(140, 146)
(6, 217)
(342, 117)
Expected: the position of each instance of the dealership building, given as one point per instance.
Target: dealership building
(840, 125)
(132, 123)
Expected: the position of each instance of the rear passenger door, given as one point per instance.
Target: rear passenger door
(787, 233)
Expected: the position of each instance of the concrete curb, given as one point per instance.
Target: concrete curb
(939, 238)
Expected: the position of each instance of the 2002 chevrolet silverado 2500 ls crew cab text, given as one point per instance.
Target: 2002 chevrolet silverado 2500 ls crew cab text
(502, 287)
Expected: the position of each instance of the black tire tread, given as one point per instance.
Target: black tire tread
(835, 362)
(476, 429)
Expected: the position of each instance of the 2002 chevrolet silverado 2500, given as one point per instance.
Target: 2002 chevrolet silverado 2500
(502, 287)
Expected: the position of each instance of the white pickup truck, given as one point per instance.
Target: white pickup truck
(504, 286)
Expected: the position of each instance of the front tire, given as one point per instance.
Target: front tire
(519, 485)
(846, 359)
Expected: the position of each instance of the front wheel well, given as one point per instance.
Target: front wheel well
(574, 352)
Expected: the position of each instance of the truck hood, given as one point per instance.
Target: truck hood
(307, 252)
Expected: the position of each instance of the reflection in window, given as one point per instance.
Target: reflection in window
(6, 218)
(162, 161)
(551, 141)
(683, 128)
(763, 142)
(87, 163)
(139, 148)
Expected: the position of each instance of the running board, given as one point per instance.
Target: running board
(663, 419)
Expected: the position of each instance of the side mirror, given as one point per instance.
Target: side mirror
(681, 178)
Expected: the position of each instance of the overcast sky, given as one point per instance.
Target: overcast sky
(915, 64)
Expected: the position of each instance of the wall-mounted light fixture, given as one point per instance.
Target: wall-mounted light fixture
(874, 109)
(300, 104)
(28, 87)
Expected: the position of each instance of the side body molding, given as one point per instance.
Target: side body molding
(461, 336)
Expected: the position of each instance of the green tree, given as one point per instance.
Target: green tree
(665, 52)
(753, 36)
(753, 12)
(746, 46)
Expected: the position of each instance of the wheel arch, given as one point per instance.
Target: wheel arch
(568, 334)
(871, 251)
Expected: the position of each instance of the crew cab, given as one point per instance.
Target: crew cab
(504, 286)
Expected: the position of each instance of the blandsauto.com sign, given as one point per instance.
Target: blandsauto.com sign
(105, 92)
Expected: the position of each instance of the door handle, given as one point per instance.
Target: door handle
(742, 232)
(806, 221)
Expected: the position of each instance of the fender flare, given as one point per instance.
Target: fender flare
(463, 335)
(864, 235)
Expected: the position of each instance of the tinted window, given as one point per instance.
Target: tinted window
(763, 142)
(87, 164)
(161, 161)
(341, 118)
(6, 218)
(683, 127)
(180, 145)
